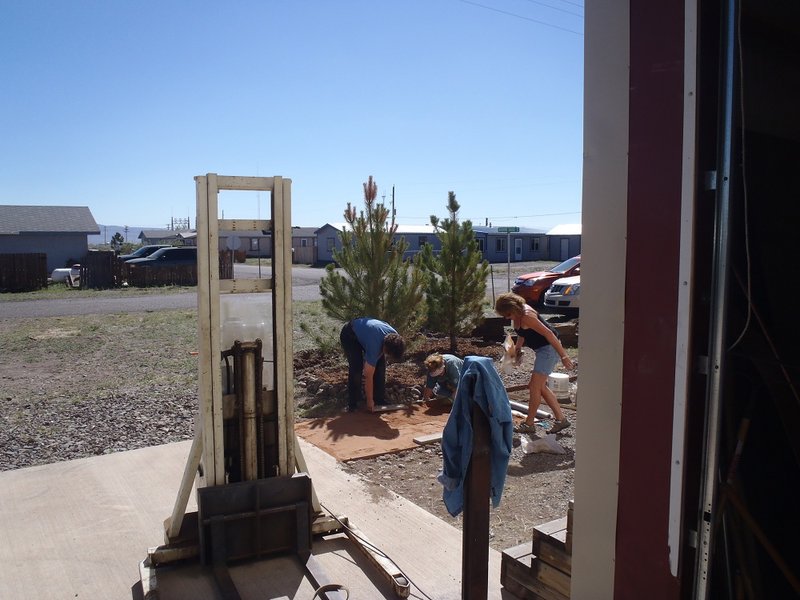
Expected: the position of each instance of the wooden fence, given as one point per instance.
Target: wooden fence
(23, 272)
(100, 269)
(177, 275)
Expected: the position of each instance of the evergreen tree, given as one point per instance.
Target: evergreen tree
(117, 241)
(377, 282)
(456, 289)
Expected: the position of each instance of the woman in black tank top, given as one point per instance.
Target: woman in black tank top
(537, 334)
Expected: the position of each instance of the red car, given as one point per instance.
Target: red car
(532, 286)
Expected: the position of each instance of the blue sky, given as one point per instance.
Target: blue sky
(117, 105)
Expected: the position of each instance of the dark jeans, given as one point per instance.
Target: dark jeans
(355, 369)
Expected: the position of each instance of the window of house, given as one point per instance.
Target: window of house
(535, 244)
(330, 243)
(480, 245)
(303, 243)
(423, 239)
(500, 244)
(254, 244)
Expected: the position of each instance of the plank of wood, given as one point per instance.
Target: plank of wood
(517, 388)
(552, 577)
(517, 590)
(389, 407)
(556, 539)
(428, 439)
(518, 569)
(570, 516)
(555, 557)
(523, 586)
(550, 527)
(517, 552)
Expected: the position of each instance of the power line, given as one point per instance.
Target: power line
(556, 8)
(510, 14)
(578, 4)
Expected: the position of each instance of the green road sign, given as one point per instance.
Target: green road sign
(508, 229)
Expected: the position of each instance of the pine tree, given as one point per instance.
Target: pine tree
(377, 282)
(456, 289)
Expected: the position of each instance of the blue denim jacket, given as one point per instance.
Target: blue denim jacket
(490, 395)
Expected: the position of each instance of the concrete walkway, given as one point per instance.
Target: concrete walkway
(79, 529)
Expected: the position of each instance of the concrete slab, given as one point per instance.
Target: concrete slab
(79, 529)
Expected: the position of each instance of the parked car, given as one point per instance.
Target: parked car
(171, 256)
(142, 252)
(532, 286)
(562, 297)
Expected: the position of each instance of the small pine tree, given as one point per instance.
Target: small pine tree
(378, 282)
(456, 289)
(117, 241)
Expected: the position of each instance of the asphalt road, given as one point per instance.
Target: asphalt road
(305, 286)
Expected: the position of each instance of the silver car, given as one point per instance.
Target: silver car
(563, 295)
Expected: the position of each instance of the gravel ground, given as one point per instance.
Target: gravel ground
(77, 386)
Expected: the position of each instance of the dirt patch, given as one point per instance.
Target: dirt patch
(538, 486)
(348, 436)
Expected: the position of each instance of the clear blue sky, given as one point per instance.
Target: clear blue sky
(118, 104)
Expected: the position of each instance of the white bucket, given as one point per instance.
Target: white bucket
(559, 384)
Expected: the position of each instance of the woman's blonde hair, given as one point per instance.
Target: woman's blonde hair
(434, 362)
(509, 303)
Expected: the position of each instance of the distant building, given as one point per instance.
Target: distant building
(416, 236)
(161, 236)
(304, 245)
(499, 245)
(565, 241)
(60, 232)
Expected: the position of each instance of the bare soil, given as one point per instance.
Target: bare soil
(538, 486)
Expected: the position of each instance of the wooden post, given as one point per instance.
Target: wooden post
(475, 535)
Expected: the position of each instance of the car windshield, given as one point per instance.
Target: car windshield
(566, 265)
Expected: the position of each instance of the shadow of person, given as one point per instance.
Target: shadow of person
(360, 424)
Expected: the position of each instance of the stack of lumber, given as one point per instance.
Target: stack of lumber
(541, 568)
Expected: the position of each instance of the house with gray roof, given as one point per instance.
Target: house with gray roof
(161, 236)
(60, 232)
(496, 244)
(513, 244)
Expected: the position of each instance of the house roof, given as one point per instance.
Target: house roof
(161, 234)
(304, 231)
(16, 220)
(566, 229)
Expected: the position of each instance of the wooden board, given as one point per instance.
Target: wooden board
(428, 439)
(553, 578)
(550, 528)
(518, 575)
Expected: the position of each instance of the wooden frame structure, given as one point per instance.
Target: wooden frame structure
(207, 452)
(208, 311)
